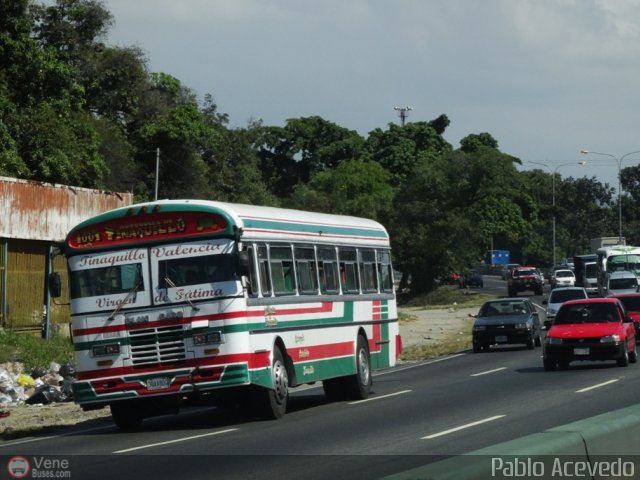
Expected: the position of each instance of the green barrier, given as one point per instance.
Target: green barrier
(525, 457)
(613, 433)
(604, 446)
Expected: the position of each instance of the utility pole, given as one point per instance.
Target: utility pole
(157, 170)
(403, 113)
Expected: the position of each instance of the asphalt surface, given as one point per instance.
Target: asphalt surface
(418, 413)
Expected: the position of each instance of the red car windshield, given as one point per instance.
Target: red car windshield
(587, 313)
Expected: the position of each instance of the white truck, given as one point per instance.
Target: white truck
(600, 242)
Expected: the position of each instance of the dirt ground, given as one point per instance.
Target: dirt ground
(426, 326)
(433, 326)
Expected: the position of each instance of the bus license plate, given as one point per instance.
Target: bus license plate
(581, 351)
(158, 383)
(501, 339)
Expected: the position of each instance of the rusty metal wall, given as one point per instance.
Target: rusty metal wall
(34, 215)
(4, 312)
(25, 281)
(40, 211)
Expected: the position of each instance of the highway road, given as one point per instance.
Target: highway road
(418, 413)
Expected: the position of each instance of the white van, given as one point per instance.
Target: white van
(622, 282)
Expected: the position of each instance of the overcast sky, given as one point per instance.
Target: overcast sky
(546, 78)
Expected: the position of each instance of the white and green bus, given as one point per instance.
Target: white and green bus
(180, 299)
(616, 258)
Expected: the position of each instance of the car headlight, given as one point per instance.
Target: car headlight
(522, 325)
(553, 341)
(610, 339)
(552, 311)
(479, 328)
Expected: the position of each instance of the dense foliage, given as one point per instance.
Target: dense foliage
(76, 111)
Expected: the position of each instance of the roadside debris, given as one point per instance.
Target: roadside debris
(42, 386)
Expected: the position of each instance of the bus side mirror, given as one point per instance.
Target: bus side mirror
(55, 285)
(243, 263)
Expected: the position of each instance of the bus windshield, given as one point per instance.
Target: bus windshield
(617, 263)
(111, 280)
(180, 272)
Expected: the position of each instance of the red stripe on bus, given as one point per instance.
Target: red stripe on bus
(253, 361)
(325, 307)
(321, 352)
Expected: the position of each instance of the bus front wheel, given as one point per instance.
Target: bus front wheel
(126, 416)
(275, 399)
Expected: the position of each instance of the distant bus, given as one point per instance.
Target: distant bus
(616, 258)
(180, 299)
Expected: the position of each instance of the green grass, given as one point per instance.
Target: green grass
(33, 351)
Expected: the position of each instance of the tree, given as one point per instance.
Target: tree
(354, 187)
(399, 149)
(448, 209)
(304, 146)
(234, 173)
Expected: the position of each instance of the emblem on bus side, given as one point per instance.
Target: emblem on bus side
(270, 319)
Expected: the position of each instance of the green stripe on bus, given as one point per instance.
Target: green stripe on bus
(312, 228)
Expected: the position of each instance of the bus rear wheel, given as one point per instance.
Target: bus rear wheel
(359, 385)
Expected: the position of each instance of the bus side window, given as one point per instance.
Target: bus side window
(281, 262)
(263, 271)
(348, 270)
(328, 269)
(385, 272)
(252, 287)
(306, 270)
(368, 269)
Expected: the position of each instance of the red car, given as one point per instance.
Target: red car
(631, 302)
(524, 278)
(590, 329)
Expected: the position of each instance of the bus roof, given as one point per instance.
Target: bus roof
(618, 249)
(161, 220)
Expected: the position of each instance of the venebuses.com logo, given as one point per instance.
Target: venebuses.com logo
(38, 467)
(18, 467)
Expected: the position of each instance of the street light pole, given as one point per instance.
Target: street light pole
(403, 113)
(553, 198)
(619, 162)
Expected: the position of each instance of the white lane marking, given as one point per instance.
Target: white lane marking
(488, 372)
(381, 396)
(415, 365)
(462, 427)
(582, 390)
(74, 432)
(151, 445)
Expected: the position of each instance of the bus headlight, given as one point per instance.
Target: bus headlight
(206, 338)
(106, 349)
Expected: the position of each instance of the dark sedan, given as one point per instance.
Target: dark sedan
(506, 321)
(471, 278)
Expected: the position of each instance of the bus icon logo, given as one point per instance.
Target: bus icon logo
(18, 467)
